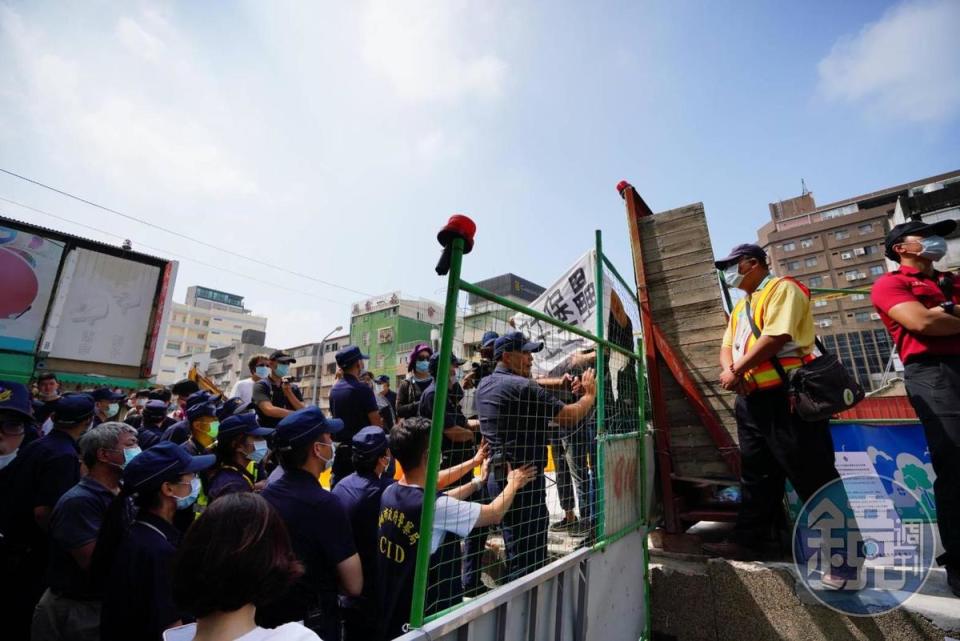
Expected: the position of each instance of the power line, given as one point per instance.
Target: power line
(170, 253)
(179, 235)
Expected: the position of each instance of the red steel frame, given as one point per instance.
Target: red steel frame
(656, 347)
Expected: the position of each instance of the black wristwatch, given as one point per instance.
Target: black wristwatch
(948, 307)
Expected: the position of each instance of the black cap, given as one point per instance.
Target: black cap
(282, 357)
(383, 378)
(746, 250)
(242, 424)
(916, 228)
(232, 406)
(14, 397)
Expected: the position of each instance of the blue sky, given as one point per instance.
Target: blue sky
(334, 139)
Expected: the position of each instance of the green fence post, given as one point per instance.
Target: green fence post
(436, 438)
(601, 377)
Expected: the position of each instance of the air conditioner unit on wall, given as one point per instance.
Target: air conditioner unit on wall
(874, 316)
(860, 251)
(846, 255)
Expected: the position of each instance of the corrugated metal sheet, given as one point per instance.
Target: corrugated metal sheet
(884, 407)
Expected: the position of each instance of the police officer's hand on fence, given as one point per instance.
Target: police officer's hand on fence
(483, 453)
(588, 382)
(521, 476)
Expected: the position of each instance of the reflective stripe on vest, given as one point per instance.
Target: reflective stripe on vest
(765, 375)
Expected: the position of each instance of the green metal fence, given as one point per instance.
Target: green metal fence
(600, 453)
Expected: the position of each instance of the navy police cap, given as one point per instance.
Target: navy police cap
(489, 338)
(73, 408)
(242, 424)
(369, 442)
(349, 355)
(232, 406)
(515, 342)
(106, 394)
(14, 397)
(155, 408)
(200, 410)
(159, 463)
(198, 397)
(305, 425)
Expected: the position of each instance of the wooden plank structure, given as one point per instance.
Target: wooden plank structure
(683, 321)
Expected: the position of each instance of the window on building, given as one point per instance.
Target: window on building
(206, 323)
(196, 321)
(854, 274)
(806, 243)
(201, 336)
(877, 270)
(820, 303)
(869, 250)
(862, 317)
(841, 234)
(816, 281)
(789, 246)
(381, 360)
(810, 261)
(865, 228)
(856, 297)
(332, 368)
(793, 265)
(366, 339)
(173, 345)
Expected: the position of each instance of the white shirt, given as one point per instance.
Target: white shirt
(286, 632)
(453, 515)
(243, 389)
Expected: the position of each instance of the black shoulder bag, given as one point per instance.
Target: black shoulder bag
(818, 389)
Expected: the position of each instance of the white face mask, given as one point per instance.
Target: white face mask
(113, 409)
(328, 462)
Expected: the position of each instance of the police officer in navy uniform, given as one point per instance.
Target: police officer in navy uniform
(359, 493)
(150, 424)
(399, 533)
(204, 428)
(319, 527)
(108, 405)
(354, 404)
(135, 559)
(42, 472)
(17, 428)
(179, 432)
(517, 418)
(235, 451)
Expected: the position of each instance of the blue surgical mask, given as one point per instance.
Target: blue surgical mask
(423, 366)
(184, 502)
(113, 409)
(934, 248)
(732, 276)
(283, 369)
(263, 371)
(259, 451)
(129, 454)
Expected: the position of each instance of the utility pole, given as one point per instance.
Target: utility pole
(318, 362)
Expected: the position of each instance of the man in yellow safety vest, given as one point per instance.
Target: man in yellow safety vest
(775, 443)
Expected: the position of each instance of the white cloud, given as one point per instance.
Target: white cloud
(424, 50)
(906, 66)
(108, 113)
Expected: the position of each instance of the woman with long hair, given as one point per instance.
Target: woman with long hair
(236, 557)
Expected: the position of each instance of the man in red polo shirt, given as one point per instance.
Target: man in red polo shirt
(917, 304)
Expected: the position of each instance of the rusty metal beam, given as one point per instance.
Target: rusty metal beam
(637, 209)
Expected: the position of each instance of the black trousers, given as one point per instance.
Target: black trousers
(934, 390)
(775, 444)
